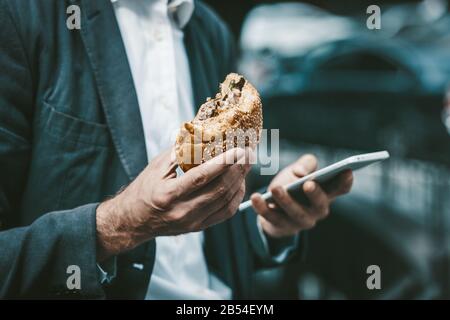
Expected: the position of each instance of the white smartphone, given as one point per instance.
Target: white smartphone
(324, 175)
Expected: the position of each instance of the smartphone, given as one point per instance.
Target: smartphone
(324, 175)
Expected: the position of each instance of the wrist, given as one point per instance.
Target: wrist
(115, 228)
(106, 231)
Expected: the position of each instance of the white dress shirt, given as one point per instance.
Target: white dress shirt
(152, 32)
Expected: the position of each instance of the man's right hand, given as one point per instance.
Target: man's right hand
(158, 203)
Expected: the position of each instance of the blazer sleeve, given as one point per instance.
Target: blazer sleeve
(34, 260)
(54, 257)
(275, 251)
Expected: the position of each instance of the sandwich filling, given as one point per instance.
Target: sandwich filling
(229, 96)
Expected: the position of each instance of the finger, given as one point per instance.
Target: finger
(201, 175)
(305, 165)
(340, 185)
(263, 209)
(320, 203)
(166, 162)
(165, 157)
(275, 231)
(296, 212)
(225, 212)
(220, 190)
(249, 157)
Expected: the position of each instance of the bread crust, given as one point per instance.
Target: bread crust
(232, 119)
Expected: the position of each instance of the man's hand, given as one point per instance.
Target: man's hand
(158, 203)
(286, 217)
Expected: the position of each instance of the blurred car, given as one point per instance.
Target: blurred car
(278, 41)
(275, 37)
(335, 88)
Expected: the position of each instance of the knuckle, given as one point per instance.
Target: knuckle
(173, 192)
(228, 196)
(199, 179)
(161, 201)
(222, 191)
(178, 216)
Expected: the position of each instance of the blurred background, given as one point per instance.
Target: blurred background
(335, 88)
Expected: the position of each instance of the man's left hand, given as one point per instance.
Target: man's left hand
(286, 217)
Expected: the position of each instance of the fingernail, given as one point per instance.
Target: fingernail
(310, 186)
(300, 170)
(310, 161)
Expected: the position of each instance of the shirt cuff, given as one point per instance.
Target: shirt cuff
(107, 270)
(279, 249)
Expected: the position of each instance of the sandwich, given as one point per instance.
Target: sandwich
(233, 118)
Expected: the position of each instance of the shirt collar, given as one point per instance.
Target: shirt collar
(180, 10)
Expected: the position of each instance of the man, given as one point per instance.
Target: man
(85, 113)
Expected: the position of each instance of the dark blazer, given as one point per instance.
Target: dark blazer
(71, 135)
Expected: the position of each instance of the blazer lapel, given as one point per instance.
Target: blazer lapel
(106, 52)
(202, 63)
